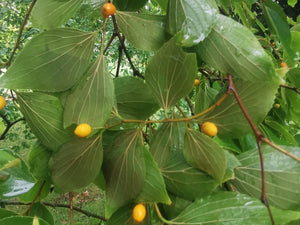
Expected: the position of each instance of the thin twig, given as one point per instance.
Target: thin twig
(191, 105)
(71, 208)
(36, 197)
(258, 136)
(8, 125)
(17, 45)
(59, 205)
(291, 88)
(121, 39)
(110, 41)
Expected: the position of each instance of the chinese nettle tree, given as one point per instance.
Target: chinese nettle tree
(146, 147)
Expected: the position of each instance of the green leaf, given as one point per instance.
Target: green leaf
(278, 25)
(292, 3)
(163, 4)
(129, 5)
(295, 39)
(233, 49)
(228, 116)
(39, 210)
(6, 213)
(281, 176)
(293, 104)
(170, 73)
(40, 189)
(134, 98)
(13, 187)
(38, 159)
(205, 98)
(124, 170)
(48, 14)
(24, 220)
(293, 75)
(52, 61)
(232, 163)
(44, 115)
(92, 99)
(201, 152)
(123, 216)
(145, 32)
(154, 189)
(77, 163)
(181, 179)
(229, 208)
(194, 18)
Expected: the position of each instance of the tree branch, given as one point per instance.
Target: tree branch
(8, 125)
(291, 88)
(17, 45)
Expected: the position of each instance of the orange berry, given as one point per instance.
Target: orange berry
(196, 82)
(83, 130)
(283, 64)
(108, 9)
(139, 213)
(209, 129)
(2, 102)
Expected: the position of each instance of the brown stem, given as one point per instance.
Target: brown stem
(110, 41)
(36, 197)
(17, 45)
(291, 88)
(258, 136)
(71, 208)
(121, 39)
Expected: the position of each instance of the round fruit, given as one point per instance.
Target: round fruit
(139, 213)
(108, 9)
(209, 129)
(283, 64)
(83, 130)
(196, 82)
(276, 106)
(2, 102)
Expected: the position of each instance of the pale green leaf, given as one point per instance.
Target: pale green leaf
(77, 163)
(129, 5)
(233, 49)
(154, 189)
(44, 115)
(205, 98)
(194, 18)
(201, 152)
(134, 98)
(92, 99)
(181, 179)
(145, 32)
(52, 61)
(124, 170)
(48, 14)
(170, 73)
(229, 208)
(281, 176)
(229, 117)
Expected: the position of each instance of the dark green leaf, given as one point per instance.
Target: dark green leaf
(229, 208)
(48, 14)
(170, 73)
(41, 189)
(39, 210)
(25, 220)
(181, 179)
(129, 5)
(145, 32)
(6, 213)
(92, 100)
(201, 152)
(44, 115)
(52, 61)
(205, 98)
(38, 159)
(233, 49)
(232, 163)
(124, 170)
(228, 116)
(154, 189)
(281, 176)
(194, 18)
(134, 98)
(77, 163)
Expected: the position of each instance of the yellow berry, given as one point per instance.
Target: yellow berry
(139, 213)
(276, 106)
(209, 129)
(2, 102)
(83, 130)
(196, 82)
